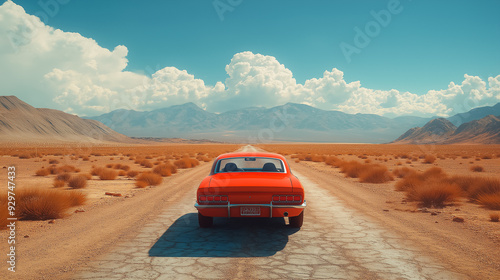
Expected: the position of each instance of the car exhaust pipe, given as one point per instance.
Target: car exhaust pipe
(285, 214)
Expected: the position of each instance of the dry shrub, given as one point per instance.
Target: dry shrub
(351, 168)
(186, 162)
(108, 174)
(490, 201)
(409, 182)
(434, 172)
(402, 172)
(53, 161)
(97, 170)
(374, 173)
(429, 159)
(152, 179)
(59, 183)
(317, 158)
(109, 165)
(494, 217)
(87, 175)
(77, 182)
(476, 168)
(77, 198)
(483, 186)
(42, 172)
(163, 170)
(434, 193)
(122, 167)
(122, 173)
(132, 173)
(44, 204)
(85, 158)
(141, 184)
(63, 177)
(333, 161)
(464, 182)
(487, 157)
(146, 163)
(66, 169)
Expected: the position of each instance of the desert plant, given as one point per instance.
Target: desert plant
(77, 182)
(43, 204)
(59, 183)
(429, 159)
(141, 184)
(186, 162)
(476, 168)
(490, 201)
(374, 173)
(494, 217)
(96, 171)
(63, 177)
(146, 163)
(53, 161)
(152, 179)
(402, 172)
(434, 193)
(163, 170)
(351, 168)
(42, 172)
(108, 174)
(132, 173)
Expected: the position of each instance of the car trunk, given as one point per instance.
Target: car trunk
(248, 182)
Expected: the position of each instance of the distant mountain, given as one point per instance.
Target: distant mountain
(475, 114)
(21, 123)
(435, 131)
(442, 131)
(289, 122)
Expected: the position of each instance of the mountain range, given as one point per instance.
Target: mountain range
(442, 131)
(289, 122)
(22, 123)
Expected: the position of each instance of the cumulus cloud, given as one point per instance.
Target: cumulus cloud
(51, 68)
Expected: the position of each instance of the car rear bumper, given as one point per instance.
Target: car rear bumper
(275, 210)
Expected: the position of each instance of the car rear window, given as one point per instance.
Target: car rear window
(250, 164)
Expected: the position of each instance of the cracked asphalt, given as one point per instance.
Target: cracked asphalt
(335, 242)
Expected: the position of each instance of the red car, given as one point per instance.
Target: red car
(250, 185)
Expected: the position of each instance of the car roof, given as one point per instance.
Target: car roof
(251, 154)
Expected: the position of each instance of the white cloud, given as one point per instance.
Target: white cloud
(62, 70)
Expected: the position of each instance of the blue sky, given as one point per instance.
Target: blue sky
(423, 47)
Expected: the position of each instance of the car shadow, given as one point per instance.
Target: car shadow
(235, 237)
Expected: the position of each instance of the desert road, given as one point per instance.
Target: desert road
(335, 242)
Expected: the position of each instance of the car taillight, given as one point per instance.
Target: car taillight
(287, 198)
(213, 199)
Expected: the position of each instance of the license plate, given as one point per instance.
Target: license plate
(250, 210)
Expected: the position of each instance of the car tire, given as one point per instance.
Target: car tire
(297, 221)
(204, 221)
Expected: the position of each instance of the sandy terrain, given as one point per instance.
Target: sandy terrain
(351, 230)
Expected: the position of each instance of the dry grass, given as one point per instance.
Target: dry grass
(152, 179)
(351, 168)
(146, 163)
(434, 193)
(186, 162)
(77, 182)
(165, 170)
(402, 172)
(141, 184)
(429, 159)
(44, 204)
(374, 173)
(42, 172)
(108, 174)
(63, 177)
(476, 168)
(490, 201)
(132, 173)
(494, 217)
(59, 183)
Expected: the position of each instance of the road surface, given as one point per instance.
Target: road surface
(335, 242)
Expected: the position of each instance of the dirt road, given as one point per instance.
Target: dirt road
(335, 243)
(155, 235)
